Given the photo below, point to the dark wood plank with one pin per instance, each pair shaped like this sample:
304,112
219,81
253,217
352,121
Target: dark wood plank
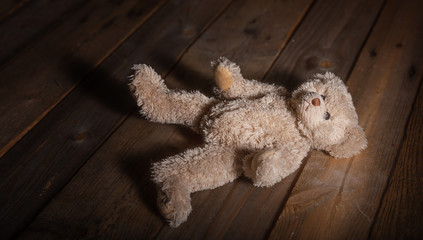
338,198
45,73
31,22
8,7
110,209
33,171
401,212
330,41
136,141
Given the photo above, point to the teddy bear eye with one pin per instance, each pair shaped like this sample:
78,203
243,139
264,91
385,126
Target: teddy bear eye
323,97
327,116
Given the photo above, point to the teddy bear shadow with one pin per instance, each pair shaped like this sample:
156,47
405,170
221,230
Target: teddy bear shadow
189,78
184,77
138,166
286,79
114,94
100,84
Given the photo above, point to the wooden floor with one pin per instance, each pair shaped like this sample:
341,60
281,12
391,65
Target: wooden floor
75,154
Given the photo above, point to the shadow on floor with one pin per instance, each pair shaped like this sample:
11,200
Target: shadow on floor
138,166
102,84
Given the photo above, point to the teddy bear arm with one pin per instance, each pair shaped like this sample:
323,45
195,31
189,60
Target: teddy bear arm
270,166
160,104
354,143
231,84
238,87
253,89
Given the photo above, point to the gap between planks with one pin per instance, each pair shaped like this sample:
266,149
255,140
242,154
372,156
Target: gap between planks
393,179
31,23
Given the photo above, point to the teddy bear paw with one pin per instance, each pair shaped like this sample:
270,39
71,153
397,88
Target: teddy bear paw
223,77
262,168
174,205
266,165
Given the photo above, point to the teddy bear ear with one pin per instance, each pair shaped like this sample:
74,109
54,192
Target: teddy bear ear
333,85
354,143
329,78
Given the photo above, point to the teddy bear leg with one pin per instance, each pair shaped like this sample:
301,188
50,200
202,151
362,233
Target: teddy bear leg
231,84
194,170
174,201
267,167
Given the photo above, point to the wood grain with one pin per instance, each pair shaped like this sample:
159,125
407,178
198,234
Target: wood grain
338,198
154,140
111,205
45,73
401,209
33,171
329,41
8,7
31,22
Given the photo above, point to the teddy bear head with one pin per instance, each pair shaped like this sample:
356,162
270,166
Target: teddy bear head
327,117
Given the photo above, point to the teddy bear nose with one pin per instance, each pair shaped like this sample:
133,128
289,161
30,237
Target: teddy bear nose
315,102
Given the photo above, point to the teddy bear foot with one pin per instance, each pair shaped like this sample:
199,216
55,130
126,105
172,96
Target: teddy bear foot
174,204
223,77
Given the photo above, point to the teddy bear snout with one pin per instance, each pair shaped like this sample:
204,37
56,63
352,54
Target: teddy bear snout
315,102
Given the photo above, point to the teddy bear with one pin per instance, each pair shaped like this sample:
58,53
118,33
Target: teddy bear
250,128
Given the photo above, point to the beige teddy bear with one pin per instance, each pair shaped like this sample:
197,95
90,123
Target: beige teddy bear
251,128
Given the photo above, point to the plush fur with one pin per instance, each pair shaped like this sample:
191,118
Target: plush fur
251,128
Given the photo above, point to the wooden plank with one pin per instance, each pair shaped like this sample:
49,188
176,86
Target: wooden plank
339,34
8,7
338,198
47,71
31,22
401,210
32,172
136,141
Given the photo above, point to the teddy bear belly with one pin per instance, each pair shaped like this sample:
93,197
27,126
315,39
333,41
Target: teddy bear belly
252,129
